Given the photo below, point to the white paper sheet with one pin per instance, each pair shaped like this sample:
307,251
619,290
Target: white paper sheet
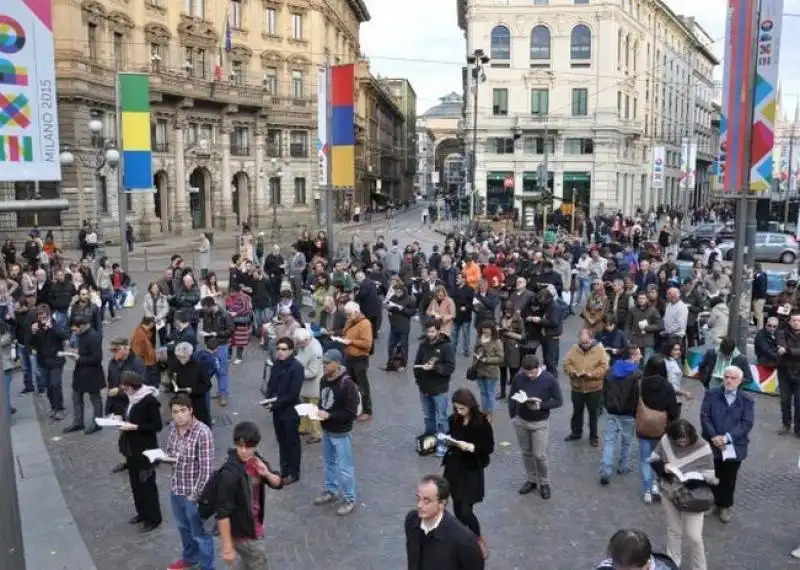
67,354
520,397
268,401
309,410
445,437
156,455
108,422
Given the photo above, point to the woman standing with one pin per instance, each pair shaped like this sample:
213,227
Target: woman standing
487,358
596,307
511,332
141,424
442,307
143,347
210,288
204,255
102,277
658,406
672,358
726,417
466,459
156,307
240,308
682,449
323,300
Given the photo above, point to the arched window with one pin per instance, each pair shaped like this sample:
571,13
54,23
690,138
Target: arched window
540,43
581,43
501,44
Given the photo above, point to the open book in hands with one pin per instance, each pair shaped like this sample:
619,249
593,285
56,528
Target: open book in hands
681,476
523,398
158,455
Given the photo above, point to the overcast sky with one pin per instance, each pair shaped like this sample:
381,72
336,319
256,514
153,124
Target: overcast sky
420,40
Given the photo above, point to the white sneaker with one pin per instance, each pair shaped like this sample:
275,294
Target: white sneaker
795,553
237,361
648,499
654,490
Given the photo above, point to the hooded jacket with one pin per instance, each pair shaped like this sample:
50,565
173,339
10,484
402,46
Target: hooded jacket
440,353
339,397
621,388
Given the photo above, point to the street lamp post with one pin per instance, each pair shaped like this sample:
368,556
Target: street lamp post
477,60
104,152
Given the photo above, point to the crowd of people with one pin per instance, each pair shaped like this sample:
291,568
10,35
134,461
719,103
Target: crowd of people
497,300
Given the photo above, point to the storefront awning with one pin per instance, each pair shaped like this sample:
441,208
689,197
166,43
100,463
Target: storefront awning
577,177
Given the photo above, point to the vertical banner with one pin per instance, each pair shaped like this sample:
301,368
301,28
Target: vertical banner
343,136
659,154
29,145
719,169
765,101
322,124
683,175
691,171
134,107
738,101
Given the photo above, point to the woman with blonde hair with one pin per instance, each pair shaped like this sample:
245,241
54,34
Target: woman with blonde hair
442,307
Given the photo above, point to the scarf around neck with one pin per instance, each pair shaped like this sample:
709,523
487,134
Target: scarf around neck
140,395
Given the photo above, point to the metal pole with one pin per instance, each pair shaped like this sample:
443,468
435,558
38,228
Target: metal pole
791,178
739,323
122,203
543,184
329,162
12,552
474,159
572,221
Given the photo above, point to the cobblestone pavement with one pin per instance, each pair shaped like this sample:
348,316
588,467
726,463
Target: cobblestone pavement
566,533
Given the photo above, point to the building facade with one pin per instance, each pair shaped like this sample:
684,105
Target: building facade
584,90
403,92
380,121
445,121
233,130
426,161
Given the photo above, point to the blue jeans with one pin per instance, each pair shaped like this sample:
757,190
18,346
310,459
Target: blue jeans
617,429
646,447
488,388
434,412
583,291
465,330
647,352
337,460
198,545
119,297
222,356
29,368
60,318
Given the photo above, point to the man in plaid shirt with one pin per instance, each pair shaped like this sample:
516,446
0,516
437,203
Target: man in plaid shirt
190,448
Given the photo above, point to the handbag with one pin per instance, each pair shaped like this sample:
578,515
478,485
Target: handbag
472,371
693,498
650,423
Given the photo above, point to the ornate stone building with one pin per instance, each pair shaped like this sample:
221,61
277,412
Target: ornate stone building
233,130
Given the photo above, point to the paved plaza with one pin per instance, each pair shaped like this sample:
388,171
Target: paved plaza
568,532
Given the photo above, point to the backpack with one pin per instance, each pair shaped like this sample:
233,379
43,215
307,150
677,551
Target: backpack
207,501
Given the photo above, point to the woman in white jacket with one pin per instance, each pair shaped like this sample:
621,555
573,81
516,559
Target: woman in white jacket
717,323
308,352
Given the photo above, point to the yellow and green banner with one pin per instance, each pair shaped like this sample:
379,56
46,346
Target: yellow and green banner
134,106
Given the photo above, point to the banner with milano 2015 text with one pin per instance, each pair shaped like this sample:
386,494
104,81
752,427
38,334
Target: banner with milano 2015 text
29,147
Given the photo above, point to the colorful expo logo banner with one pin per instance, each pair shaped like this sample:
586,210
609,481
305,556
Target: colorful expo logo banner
29,147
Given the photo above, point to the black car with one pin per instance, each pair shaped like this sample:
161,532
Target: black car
702,235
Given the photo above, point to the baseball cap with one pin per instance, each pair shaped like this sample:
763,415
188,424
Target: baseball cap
332,355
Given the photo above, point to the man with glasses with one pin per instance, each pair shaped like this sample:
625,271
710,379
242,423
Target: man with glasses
434,537
283,389
190,449
766,344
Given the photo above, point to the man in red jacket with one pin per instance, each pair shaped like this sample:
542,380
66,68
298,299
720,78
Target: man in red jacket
493,275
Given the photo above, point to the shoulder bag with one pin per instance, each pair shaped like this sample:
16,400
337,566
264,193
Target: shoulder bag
650,423
691,496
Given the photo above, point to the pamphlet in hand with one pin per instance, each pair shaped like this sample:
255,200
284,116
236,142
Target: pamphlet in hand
393,305
108,422
520,397
309,410
67,354
158,455
684,477
204,333
339,339
445,437
268,401
643,324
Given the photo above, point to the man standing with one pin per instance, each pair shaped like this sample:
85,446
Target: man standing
586,365
122,360
367,298
47,339
531,421
357,341
297,266
284,385
401,306
435,539
88,377
788,340
338,409
676,316
309,355
218,324
433,366
620,398
190,447
463,298
549,322
759,293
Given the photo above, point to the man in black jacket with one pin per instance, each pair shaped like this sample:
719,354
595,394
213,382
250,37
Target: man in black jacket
620,398
367,298
401,306
435,539
239,504
462,323
47,339
766,344
88,377
338,409
550,328
218,324
788,340
433,366
60,297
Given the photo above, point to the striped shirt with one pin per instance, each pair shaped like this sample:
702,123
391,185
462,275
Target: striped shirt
194,452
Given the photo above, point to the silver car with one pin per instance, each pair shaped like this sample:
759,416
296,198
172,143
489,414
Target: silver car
770,246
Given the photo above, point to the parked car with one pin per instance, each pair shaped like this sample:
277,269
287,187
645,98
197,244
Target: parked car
770,246
702,235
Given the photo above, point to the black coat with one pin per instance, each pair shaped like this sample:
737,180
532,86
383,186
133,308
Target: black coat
193,376
450,546
464,469
766,346
400,319
367,298
462,298
88,375
48,342
116,404
442,355
146,414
